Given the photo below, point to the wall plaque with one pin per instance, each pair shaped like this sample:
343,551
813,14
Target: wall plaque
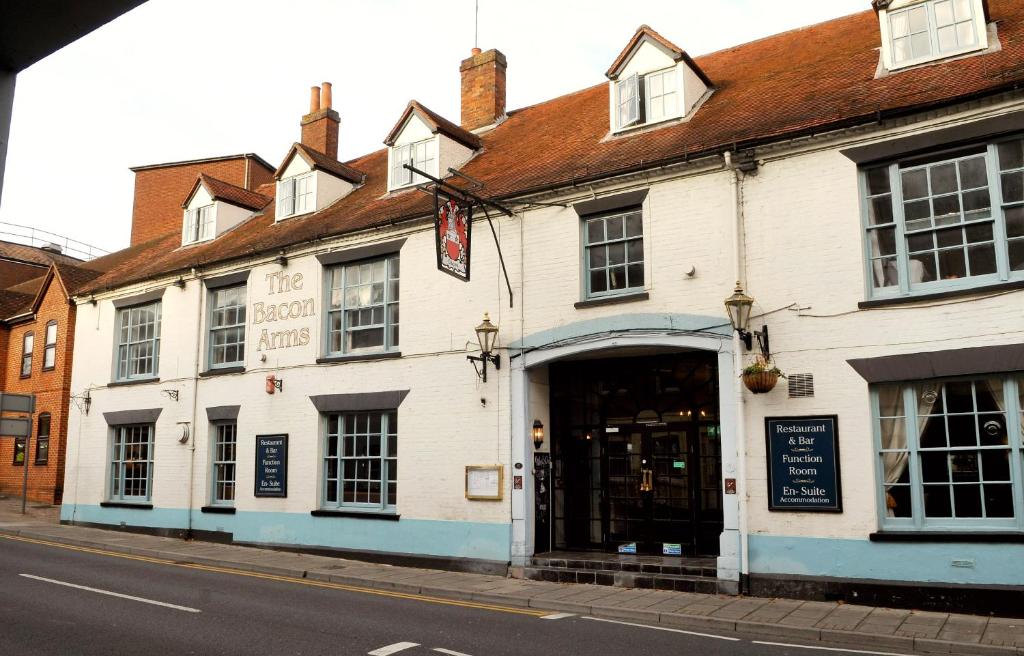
803,463
271,466
484,482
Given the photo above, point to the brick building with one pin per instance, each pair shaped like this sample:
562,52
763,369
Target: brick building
252,379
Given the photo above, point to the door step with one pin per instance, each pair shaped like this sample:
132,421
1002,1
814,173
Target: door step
620,579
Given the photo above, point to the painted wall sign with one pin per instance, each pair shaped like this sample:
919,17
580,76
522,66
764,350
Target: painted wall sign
271,466
803,463
282,309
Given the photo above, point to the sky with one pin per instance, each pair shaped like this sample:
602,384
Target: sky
186,79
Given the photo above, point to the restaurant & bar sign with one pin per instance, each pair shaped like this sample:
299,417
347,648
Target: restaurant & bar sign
803,463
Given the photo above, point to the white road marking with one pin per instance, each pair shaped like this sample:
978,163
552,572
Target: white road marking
662,628
393,649
848,651
113,594
557,616
449,652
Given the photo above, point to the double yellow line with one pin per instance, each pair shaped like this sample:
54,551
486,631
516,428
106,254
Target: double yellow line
285,579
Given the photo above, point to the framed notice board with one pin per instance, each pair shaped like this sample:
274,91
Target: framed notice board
271,466
485,482
803,463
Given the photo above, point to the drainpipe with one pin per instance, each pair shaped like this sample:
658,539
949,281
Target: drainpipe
195,399
736,185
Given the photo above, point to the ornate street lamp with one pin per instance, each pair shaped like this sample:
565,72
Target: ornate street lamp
738,306
538,433
486,333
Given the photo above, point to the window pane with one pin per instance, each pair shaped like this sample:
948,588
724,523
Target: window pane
598,282
1013,187
634,225
878,180
1011,155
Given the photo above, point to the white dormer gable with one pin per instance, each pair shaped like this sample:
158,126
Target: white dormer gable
652,81
309,181
427,142
920,31
213,207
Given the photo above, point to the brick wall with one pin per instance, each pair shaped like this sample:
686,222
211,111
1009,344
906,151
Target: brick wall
483,89
320,131
51,387
159,192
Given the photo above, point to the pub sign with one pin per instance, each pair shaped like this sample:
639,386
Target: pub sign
803,463
453,228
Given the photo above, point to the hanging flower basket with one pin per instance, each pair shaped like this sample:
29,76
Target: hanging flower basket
761,376
761,382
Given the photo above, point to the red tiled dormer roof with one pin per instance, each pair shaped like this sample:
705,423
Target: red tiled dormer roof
229,193
318,160
436,123
677,53
799,83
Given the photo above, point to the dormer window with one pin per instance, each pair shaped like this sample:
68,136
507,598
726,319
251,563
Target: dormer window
199,224
296,195
421,155
925,30
652,81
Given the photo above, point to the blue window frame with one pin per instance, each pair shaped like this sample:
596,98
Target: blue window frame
947,221
613,253
225,446
949,453
138,341
131,463
361,460
362,306
227,327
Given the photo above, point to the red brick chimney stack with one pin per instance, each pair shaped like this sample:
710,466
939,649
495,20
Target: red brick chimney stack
320,125
483,88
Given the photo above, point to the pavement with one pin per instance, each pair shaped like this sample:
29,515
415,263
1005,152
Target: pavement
824,625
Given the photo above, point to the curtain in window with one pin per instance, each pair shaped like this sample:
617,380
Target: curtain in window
894,436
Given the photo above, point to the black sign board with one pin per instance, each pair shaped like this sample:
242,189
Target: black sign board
271,466
803,463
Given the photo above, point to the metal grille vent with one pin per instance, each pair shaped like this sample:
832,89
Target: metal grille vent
800,385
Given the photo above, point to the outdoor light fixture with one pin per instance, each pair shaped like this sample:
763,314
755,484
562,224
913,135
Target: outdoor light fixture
282,259
180,283
538,433
738,306
486,333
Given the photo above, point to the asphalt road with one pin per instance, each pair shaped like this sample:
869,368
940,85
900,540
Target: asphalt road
56,600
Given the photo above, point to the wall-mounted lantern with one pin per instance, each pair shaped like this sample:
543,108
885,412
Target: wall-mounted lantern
486,333
738,306
538,433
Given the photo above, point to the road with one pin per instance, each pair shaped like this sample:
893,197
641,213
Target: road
64,600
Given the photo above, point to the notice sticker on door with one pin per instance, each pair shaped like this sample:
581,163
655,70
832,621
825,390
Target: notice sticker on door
679,464
671,549
628,548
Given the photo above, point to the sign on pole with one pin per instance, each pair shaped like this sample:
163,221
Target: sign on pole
453,231
17,403
15,427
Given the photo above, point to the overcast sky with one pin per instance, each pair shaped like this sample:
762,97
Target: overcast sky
185,79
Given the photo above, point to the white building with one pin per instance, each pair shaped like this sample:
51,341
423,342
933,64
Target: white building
862,178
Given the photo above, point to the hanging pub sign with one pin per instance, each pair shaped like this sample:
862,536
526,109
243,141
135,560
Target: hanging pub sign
271,466
453,227
803,463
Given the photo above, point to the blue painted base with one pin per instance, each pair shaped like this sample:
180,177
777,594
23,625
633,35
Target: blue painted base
923,562
449,539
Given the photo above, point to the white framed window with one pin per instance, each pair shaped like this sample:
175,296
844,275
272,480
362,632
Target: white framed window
227,327
647,98
613,253
361,460
947,221
131,463
421,154
199,224
949,453
932,29
362,308
50,346
138,341
27,345
224,456
296,195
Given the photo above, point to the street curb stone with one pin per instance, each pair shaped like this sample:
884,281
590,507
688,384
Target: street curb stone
528,598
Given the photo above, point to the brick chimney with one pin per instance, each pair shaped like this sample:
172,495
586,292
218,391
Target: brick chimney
320,125
483,88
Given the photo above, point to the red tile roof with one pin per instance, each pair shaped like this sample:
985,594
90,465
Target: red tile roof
318,160
436,123
802,82
229,193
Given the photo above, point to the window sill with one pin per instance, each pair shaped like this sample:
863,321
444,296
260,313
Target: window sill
218,510
934,296
383,355
950,536
126,504
222,371
46,369
137,381
357,514
41,463
611,300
